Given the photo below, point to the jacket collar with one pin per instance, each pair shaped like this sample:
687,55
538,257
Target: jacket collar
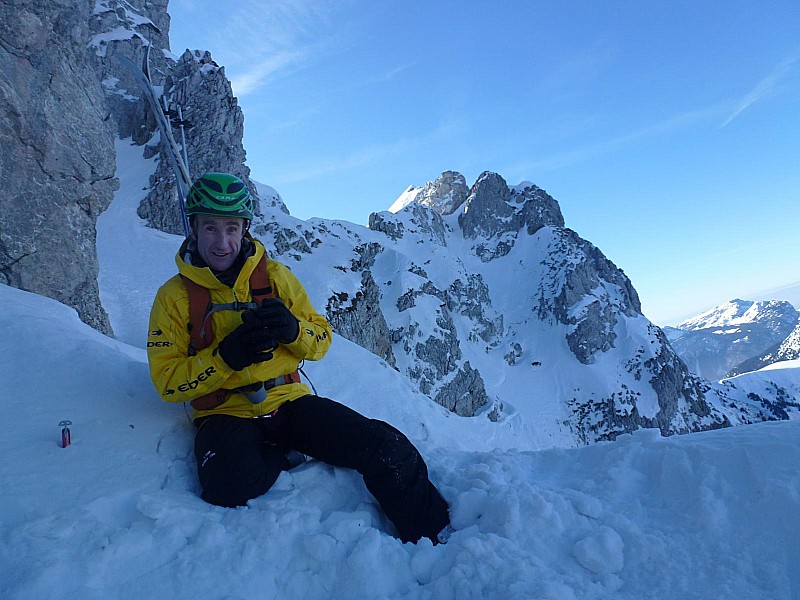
191,265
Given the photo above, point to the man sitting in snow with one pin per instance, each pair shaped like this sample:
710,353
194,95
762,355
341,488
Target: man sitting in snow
227,334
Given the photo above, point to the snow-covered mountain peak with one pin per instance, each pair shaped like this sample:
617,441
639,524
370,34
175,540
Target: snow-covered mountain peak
444,195
269,197
735,337
719,316
770,313
478,300
490,214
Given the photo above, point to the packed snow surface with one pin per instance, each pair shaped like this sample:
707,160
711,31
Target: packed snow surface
117,515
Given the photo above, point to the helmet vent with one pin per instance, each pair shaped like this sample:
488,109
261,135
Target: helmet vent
214,185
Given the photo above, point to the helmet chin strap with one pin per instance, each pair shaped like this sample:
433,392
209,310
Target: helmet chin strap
192,224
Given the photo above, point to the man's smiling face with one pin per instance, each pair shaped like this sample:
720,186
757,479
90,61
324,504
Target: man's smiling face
219,240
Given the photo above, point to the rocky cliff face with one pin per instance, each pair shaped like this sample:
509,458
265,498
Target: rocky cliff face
63,103
193,82
56,154
494,215
358,317
597,303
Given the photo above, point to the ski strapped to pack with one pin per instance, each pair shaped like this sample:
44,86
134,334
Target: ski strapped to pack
177,157
201,331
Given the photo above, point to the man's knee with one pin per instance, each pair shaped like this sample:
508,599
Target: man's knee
231,466
394,454
231,481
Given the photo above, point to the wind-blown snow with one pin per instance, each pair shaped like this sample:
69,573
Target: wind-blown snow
116,514
786,364
406,198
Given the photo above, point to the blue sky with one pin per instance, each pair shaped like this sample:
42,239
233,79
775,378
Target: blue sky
669,132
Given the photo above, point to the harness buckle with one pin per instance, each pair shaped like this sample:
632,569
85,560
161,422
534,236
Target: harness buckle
256,393
268,415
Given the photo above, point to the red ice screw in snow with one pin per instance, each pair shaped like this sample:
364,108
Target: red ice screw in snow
65,434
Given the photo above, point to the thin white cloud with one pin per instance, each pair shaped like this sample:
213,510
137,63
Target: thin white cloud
763,87
256,40
259,74
366,156
580,154
297,119
389,75
588,151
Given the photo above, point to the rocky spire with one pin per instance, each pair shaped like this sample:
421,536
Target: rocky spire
214,131
444,195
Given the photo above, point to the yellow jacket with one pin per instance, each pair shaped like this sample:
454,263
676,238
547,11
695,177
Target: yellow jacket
182,378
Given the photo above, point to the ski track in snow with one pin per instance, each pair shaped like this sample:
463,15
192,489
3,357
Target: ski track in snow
117,513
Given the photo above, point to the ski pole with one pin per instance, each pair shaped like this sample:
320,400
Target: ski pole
183,142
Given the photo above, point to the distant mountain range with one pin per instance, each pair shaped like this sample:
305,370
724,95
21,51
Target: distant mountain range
737,337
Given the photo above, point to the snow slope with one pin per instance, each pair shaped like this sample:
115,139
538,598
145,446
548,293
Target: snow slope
116,514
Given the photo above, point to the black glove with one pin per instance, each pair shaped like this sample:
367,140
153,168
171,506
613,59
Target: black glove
248,344
279,320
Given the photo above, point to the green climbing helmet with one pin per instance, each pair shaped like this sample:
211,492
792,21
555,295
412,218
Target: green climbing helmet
219,194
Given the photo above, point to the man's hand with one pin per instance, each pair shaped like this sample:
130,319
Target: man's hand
248,344
279,320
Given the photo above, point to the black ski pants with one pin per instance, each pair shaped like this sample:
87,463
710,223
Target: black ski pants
239,459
